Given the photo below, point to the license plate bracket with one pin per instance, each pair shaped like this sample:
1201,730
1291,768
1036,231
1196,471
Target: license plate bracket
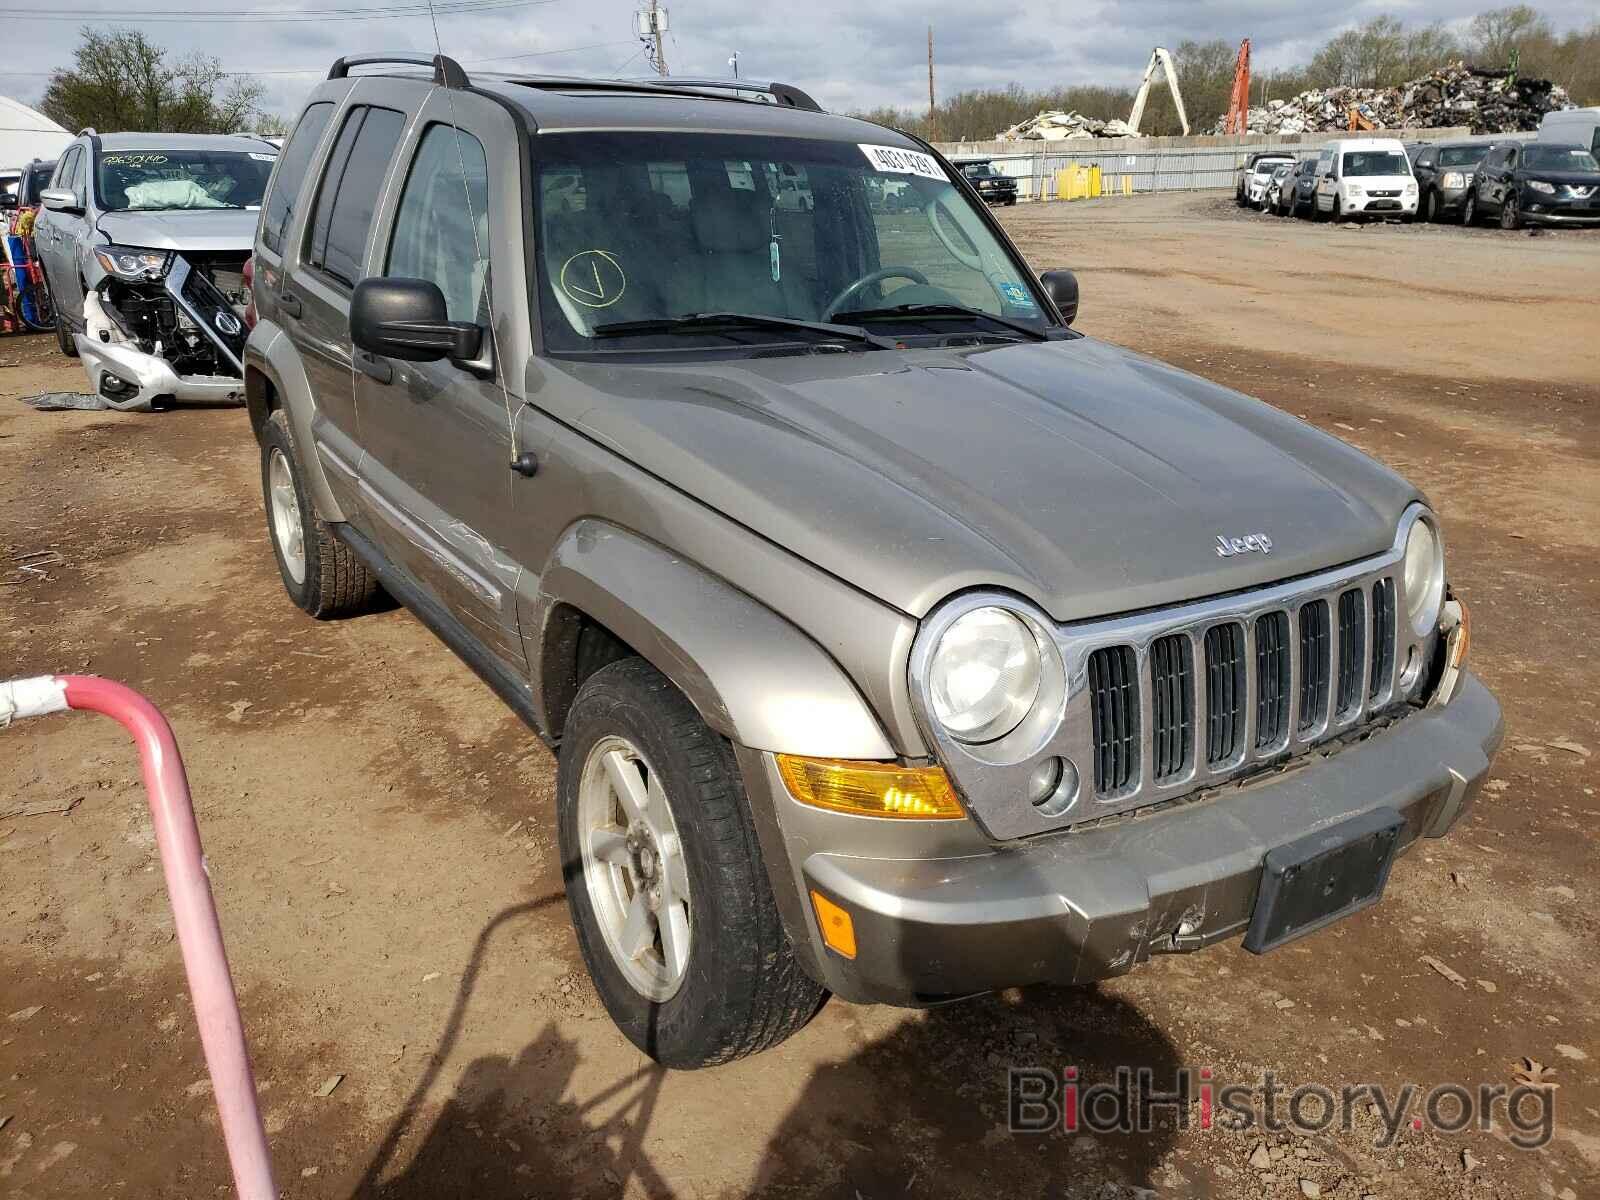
1309,883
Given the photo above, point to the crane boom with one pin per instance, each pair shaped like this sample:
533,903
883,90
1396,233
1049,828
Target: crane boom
1239,105
1159,57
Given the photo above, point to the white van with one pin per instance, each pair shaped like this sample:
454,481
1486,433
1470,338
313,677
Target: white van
1365,177
1573,127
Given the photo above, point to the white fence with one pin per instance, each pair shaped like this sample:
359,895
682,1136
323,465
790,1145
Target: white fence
1162,164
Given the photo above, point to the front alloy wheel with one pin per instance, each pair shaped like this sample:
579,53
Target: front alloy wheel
665,878
634,869
1469,210
1511,213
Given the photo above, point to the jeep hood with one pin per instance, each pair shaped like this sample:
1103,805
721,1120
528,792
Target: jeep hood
1090,479
197,230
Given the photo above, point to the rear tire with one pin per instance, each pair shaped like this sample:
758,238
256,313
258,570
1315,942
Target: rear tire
711,975
322,575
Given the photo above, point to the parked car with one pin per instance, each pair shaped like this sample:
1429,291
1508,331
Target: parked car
1257,176
1535,183
1365,177
22,191
143,238
1282,179
994,187
1250,185
888,647
1297,194
1445,172
1573,127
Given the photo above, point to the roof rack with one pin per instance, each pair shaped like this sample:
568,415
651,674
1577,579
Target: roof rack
447,71
782,94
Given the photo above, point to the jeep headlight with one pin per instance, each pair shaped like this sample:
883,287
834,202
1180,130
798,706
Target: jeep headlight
1424,576
984,676
131,264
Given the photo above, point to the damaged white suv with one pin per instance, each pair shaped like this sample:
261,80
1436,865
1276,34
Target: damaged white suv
143,238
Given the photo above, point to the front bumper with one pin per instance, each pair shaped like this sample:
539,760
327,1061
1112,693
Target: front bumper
1541,210
141,379
939,915
1383,206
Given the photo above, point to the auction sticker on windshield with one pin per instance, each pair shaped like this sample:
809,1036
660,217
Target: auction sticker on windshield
894,161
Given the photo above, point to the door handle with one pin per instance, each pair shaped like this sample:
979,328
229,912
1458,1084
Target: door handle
380,369
290,303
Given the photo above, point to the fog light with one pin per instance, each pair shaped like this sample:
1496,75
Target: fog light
838,930
1053,787
871,789
1413,668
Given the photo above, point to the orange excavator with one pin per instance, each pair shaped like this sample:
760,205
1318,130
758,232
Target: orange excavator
1238,120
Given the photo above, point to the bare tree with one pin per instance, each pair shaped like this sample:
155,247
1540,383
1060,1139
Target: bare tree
1500,31
121,80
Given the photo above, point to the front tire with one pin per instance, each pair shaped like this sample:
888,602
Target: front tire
1511,213
1430,207
322,575
1469,210
665,879
64,341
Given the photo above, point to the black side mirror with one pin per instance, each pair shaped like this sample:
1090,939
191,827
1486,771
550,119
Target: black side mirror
407,319
1062,287
8,200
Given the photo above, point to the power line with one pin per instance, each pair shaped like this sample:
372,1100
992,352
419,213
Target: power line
476,62
268,17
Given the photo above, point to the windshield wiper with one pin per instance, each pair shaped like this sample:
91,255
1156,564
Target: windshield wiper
716,322
942,312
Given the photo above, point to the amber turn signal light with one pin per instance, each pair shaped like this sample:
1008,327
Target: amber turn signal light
871,789
838,930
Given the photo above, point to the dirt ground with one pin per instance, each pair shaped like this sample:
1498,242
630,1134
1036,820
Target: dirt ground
381,838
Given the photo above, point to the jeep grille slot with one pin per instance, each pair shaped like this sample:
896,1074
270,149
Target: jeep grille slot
1225,692
1171,707
1314,664
1382,637
1272,681
1352,649
1114,696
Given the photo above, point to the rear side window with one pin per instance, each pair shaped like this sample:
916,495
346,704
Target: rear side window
349,192
278,210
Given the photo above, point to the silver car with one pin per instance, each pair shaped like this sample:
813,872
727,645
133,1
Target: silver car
143,238
895,640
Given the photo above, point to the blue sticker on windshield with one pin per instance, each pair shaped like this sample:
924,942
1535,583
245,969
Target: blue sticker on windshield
1015,293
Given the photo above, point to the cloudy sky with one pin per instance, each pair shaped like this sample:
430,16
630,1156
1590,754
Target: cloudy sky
849,53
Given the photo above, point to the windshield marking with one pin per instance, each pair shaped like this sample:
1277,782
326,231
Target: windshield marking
606,291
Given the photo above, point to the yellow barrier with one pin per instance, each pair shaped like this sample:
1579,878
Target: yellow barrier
1078,183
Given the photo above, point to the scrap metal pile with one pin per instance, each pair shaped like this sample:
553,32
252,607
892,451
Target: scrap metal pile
1483,101
1064,126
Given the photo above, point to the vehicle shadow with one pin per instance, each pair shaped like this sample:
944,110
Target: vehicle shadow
919,1111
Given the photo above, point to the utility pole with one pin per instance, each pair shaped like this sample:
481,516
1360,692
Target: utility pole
933,121
652,24
733,62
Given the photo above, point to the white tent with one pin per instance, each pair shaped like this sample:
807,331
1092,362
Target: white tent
26,135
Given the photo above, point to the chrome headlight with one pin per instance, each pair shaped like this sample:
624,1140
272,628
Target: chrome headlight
1424,576
984,676
1539,185
1454,180
131,264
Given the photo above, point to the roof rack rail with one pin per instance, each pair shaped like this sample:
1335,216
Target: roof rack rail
447,71
782,93
88,131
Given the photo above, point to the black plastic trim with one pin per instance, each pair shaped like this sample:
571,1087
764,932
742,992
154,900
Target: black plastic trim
447,72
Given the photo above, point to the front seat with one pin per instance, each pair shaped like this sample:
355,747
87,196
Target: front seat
734,230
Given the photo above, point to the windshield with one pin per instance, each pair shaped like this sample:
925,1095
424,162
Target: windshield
1376,162
1462,156
1558,158
980,171
145,180
654,227
1268,166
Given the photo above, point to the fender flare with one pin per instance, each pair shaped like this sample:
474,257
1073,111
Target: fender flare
270,357
752,675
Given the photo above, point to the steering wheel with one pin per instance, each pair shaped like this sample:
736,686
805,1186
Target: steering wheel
866,281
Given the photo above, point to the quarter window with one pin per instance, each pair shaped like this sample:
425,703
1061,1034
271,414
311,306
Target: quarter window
292,167
349,192
441,231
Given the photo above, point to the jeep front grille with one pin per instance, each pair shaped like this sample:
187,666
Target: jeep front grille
1171,707
1113,684
1225,692
1155,705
